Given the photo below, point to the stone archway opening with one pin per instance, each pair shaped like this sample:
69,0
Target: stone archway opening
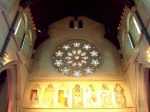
145,92
3,91
9,89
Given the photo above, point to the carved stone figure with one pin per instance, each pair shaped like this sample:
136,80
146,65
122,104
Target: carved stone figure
106,97
120,96
49,95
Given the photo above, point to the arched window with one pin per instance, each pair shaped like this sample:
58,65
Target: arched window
71,25
19,32
133,28
18,25
21,29
80,24
24,36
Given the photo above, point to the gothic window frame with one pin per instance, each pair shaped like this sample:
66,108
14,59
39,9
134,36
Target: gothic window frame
23,40
133,28
22,20
76,57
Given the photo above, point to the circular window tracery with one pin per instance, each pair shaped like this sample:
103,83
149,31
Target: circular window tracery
76,58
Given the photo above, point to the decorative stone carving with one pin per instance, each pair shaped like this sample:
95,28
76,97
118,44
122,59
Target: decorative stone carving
120,96
77,97
49,96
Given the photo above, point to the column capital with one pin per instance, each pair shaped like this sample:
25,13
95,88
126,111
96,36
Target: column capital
133,9
20,9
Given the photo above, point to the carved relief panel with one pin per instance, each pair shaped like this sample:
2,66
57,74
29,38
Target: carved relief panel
81,95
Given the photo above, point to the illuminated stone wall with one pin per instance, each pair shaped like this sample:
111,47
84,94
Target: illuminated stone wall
11,61
78,94
43,67
50,90
138,69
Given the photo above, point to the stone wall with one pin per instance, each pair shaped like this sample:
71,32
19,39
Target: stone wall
138,70
60,32
44,73
11,59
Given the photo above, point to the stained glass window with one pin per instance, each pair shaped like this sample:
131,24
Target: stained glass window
76,57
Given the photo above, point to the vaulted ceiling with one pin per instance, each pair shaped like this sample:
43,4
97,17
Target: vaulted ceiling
107,12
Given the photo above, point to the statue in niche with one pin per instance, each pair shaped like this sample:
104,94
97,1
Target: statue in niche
106,97
49,96
120,96
77,97
34,95
92,96
63,96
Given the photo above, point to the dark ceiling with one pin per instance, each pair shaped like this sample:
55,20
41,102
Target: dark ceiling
107,12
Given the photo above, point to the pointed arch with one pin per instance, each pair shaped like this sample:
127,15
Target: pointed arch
133,28
21,29
128,21
142,86
11,86
26,20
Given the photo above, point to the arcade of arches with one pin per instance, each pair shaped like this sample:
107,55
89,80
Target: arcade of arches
76,69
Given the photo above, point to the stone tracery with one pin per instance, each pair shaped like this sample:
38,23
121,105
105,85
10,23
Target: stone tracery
76,57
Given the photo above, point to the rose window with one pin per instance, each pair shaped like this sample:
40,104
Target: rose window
76,58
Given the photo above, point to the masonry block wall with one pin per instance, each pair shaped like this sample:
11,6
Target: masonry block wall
44,73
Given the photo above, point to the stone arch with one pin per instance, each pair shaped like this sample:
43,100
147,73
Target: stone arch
142,86
26,21
123,36
133,28
21,29
13,104
128,21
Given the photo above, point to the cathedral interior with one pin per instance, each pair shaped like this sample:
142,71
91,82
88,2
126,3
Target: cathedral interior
74,55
